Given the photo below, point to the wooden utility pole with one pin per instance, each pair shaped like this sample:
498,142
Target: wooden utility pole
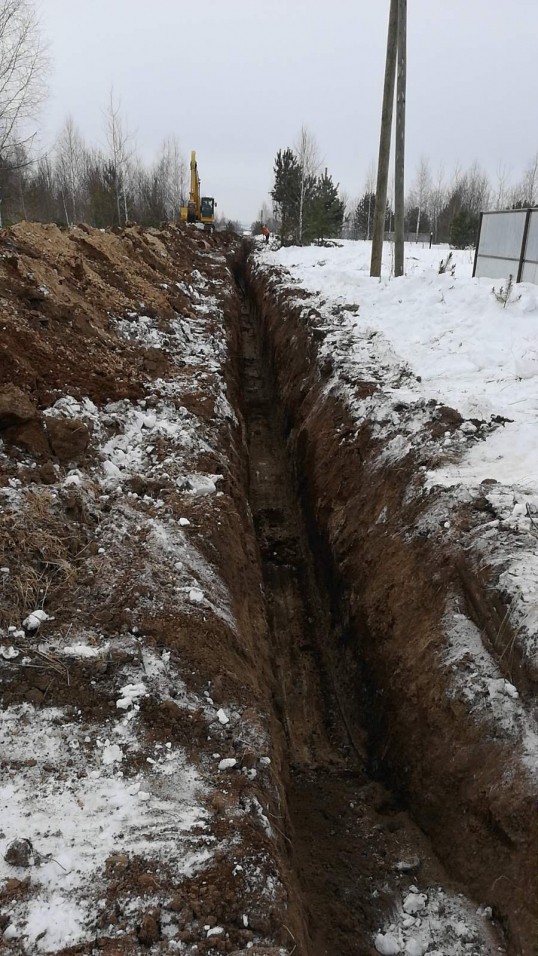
399,164
384,141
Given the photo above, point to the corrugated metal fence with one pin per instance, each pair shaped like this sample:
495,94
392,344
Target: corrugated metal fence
508,245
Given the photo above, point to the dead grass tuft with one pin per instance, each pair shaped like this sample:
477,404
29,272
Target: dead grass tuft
42,549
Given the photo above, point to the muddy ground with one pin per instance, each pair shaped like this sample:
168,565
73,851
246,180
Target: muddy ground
218,667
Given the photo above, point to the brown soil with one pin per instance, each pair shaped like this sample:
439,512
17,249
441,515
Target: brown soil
348,832
62,294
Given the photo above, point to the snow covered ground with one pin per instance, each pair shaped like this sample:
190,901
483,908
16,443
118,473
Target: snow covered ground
470,351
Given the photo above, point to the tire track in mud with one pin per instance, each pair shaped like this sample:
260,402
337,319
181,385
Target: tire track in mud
355,850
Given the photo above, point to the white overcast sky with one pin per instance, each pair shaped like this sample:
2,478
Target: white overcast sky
236,79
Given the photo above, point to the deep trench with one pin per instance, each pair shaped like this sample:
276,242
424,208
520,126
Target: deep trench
348,830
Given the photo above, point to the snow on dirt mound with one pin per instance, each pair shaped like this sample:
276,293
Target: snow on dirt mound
137,773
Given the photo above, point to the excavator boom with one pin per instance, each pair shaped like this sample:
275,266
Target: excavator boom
199,208
195,182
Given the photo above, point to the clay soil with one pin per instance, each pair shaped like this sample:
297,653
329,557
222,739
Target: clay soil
299,643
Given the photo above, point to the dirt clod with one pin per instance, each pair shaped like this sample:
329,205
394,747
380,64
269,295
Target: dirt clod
15,406
68,438
149,931
19,853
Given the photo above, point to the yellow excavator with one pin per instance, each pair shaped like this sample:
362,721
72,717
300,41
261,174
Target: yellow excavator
199,208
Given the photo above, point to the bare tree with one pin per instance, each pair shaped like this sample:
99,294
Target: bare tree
529,183
70,155
121,152
475,188
421,192
171,171
370,182
437,199
309,163
503,189
23,69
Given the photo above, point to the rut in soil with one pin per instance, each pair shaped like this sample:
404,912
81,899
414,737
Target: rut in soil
347,829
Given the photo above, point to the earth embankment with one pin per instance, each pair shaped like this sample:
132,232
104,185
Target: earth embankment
406,637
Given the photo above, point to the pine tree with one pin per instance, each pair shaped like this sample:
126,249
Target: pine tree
286,192
325,213
464,229
363,219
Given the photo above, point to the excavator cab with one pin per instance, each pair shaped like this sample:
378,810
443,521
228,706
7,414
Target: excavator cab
207,213
207,210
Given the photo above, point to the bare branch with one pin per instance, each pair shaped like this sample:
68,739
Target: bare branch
23,68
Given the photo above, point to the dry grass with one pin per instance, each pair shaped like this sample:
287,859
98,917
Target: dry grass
41,547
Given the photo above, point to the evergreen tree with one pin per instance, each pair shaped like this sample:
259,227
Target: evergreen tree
101,185
417,221
446,216
286,192
464,229
304,230
363,219
325,212
469,195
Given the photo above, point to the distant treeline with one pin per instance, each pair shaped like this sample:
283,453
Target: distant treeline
306,206
75,182
447,209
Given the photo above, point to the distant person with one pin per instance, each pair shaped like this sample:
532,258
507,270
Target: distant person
266,234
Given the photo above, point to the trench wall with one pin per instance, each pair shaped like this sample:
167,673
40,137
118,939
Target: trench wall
463,786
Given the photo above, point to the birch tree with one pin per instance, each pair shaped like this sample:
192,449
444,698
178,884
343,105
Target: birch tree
437,200
121,151
171,172
421,192
502,190
70,156
23,69
307,153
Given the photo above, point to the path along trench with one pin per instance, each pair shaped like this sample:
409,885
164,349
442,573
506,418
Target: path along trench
355,848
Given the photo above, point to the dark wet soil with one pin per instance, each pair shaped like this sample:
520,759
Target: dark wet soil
348,831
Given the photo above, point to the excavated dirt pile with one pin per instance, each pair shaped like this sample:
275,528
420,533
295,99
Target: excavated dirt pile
141,763
229,718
